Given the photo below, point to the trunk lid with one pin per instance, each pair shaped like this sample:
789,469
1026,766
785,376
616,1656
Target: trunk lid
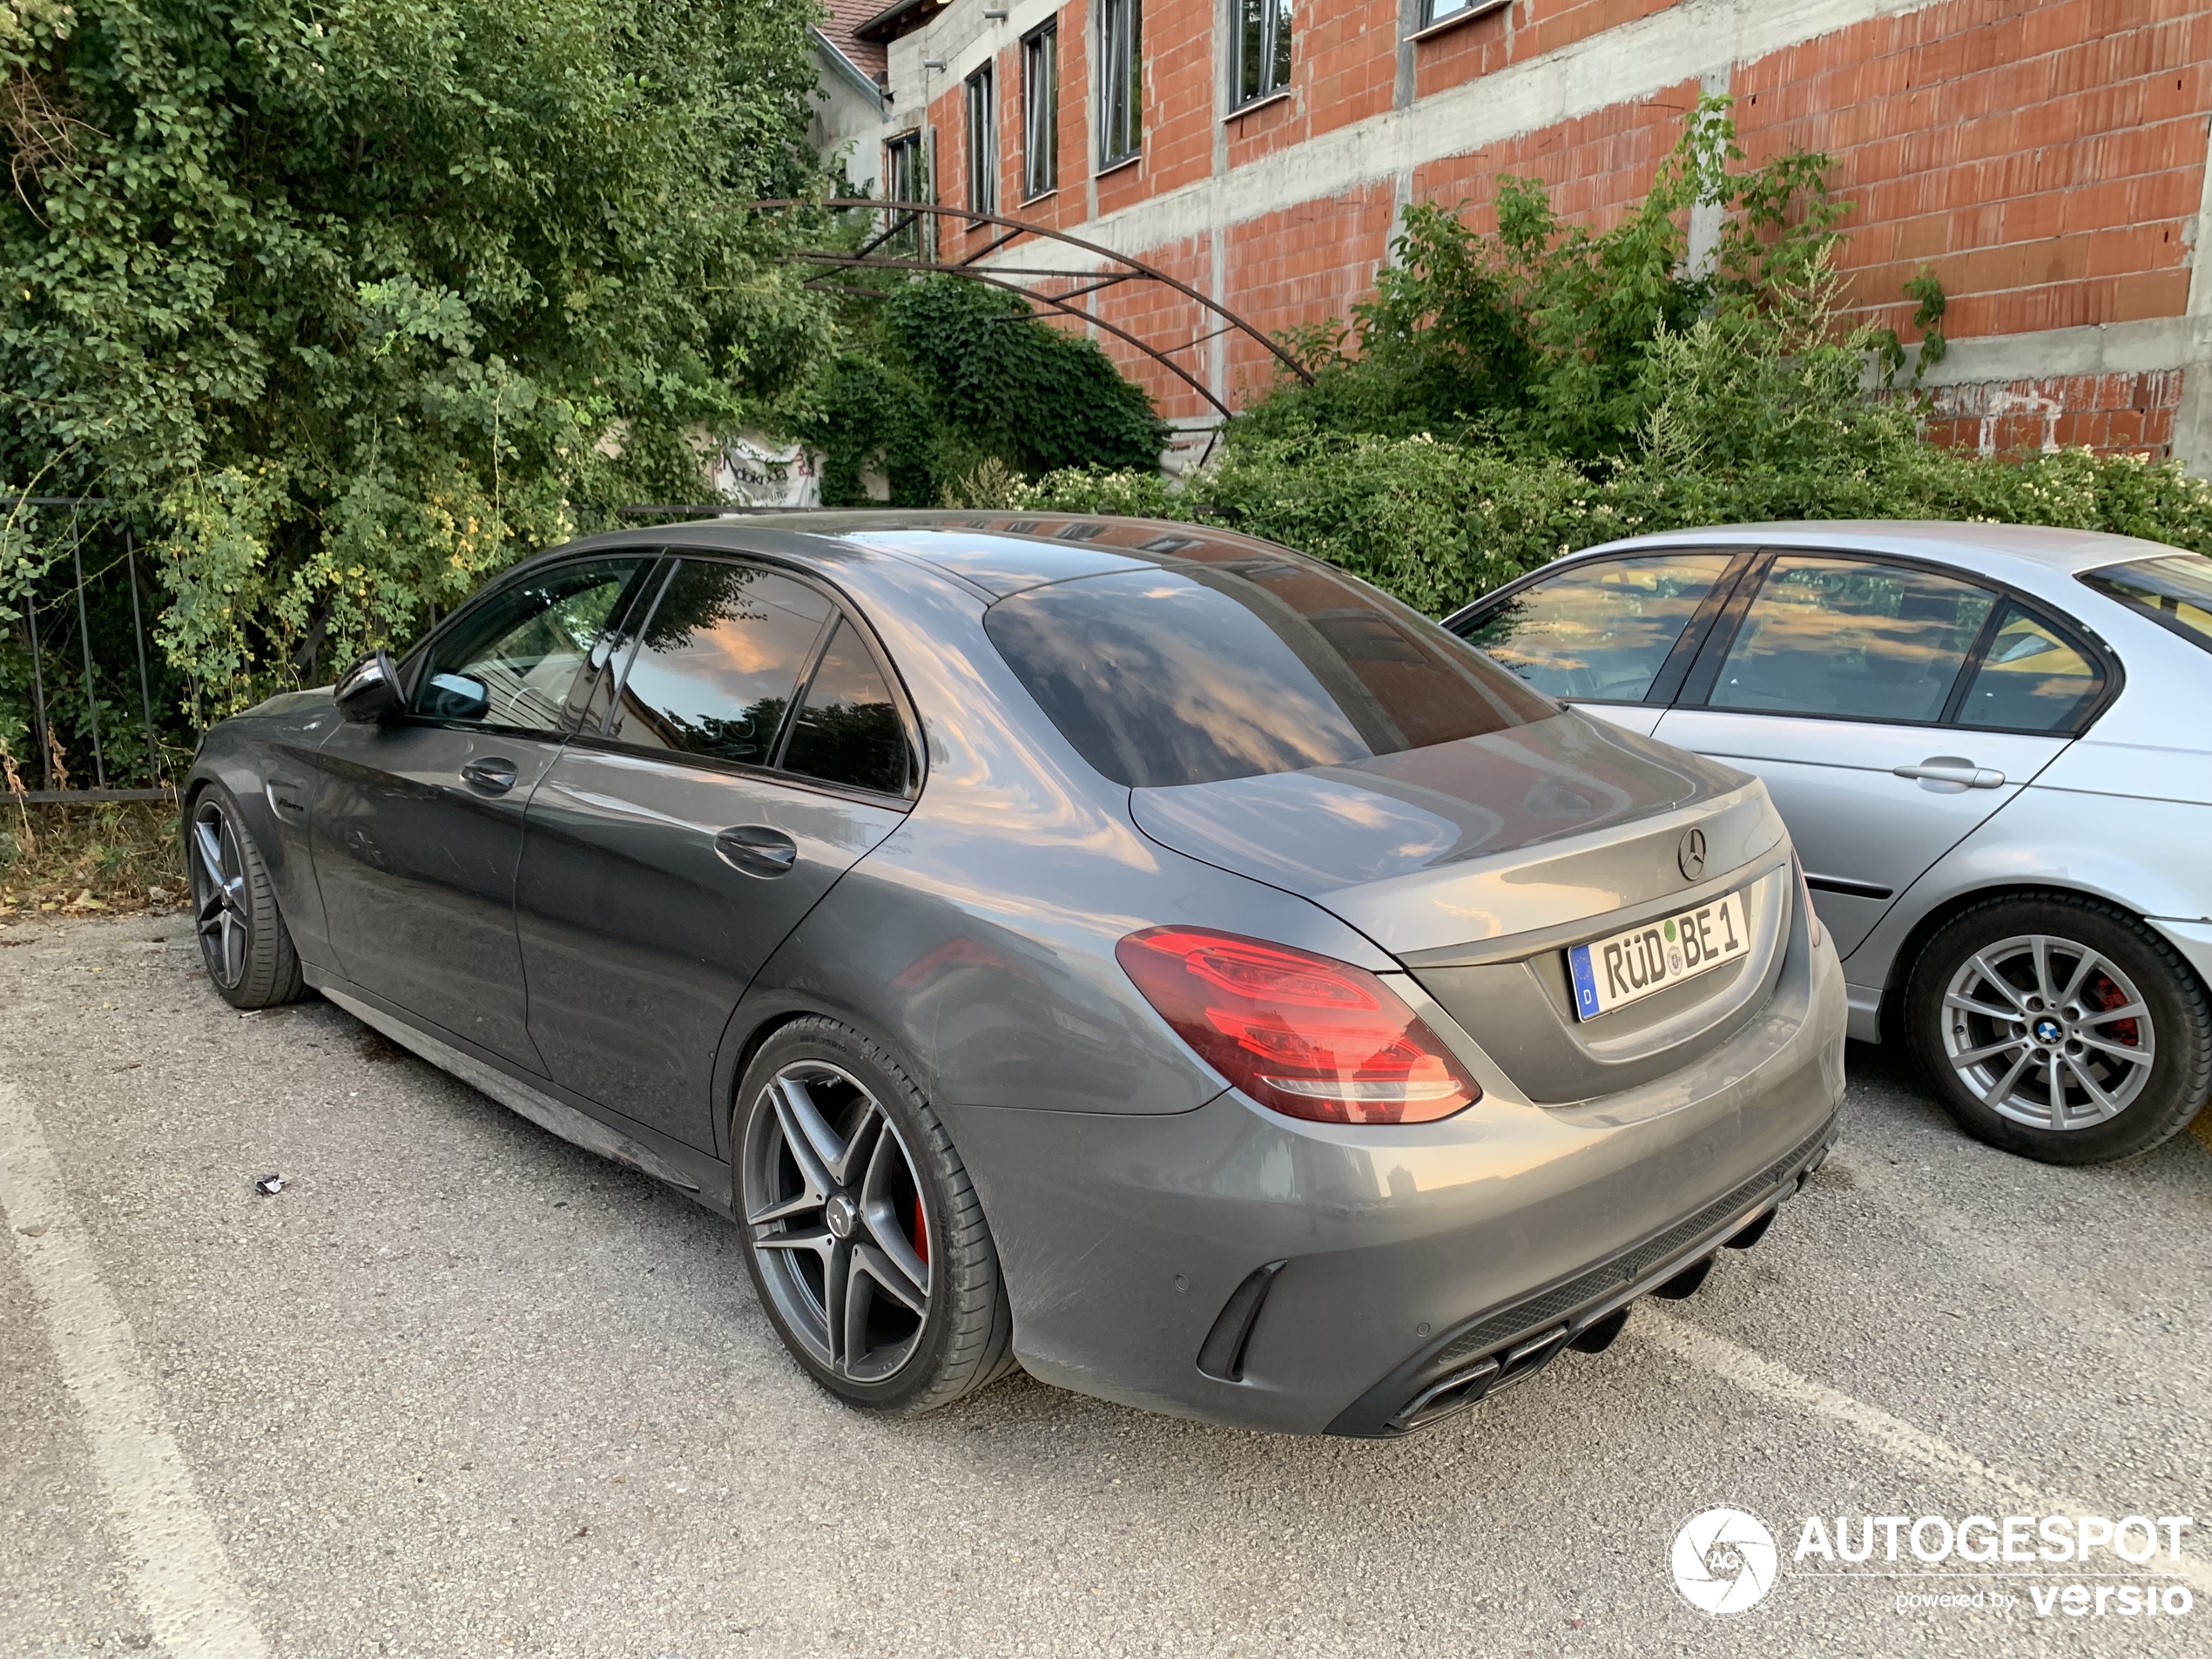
1478,863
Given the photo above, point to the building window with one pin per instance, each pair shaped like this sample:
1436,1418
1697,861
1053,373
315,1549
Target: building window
1121,80
1436,11
1040,112
906,178
1263,47
983,142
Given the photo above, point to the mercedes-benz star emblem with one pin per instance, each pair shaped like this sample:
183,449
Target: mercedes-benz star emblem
1692,855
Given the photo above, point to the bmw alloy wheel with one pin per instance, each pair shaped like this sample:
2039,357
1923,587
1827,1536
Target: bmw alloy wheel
2048,1032
834,1203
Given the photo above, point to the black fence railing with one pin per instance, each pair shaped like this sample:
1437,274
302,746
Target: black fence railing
88,707
90,710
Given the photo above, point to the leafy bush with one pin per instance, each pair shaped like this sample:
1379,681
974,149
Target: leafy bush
1516,397
942,373
350,303
1738,430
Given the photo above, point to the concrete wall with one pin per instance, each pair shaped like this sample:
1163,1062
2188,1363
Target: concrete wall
2046,158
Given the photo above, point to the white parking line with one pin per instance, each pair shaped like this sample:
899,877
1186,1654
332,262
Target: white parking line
182,1573
1756,1375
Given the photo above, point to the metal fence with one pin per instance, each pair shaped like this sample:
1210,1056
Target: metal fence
90,709
80,682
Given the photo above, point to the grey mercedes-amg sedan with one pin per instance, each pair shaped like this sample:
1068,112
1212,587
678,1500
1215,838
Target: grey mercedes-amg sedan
1138,952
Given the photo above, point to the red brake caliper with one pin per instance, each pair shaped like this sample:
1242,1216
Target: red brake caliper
2110,996
921,1232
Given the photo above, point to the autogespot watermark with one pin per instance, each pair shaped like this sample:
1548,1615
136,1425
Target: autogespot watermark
1726,1561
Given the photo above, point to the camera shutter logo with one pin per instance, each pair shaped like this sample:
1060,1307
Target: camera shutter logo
1724,1561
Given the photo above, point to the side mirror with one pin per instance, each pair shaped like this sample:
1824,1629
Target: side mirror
370,693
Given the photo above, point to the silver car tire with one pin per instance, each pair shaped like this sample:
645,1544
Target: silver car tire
863,1235
2060,1028
243,944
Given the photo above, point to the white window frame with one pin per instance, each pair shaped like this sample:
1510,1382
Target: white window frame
1121,85
1273,17
981,113
1040,112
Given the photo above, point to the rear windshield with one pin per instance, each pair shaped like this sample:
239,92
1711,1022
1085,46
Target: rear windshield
2176,589
1193,673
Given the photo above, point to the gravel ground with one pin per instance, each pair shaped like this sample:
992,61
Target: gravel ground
461,1389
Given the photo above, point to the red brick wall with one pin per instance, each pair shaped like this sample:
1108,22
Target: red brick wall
2131,412
2043,156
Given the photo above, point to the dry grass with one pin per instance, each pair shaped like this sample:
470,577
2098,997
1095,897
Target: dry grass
111,857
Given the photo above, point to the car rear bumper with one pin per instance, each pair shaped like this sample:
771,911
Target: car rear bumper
1230,1264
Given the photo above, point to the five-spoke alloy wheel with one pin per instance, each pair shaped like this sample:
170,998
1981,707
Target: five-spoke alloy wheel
864,1234
835,1208
2060,1028
243,939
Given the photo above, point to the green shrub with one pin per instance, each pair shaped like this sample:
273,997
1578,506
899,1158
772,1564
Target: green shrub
1517,397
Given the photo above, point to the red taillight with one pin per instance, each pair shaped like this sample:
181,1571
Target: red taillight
1301,1034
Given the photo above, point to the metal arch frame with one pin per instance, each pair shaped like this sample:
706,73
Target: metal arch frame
904,213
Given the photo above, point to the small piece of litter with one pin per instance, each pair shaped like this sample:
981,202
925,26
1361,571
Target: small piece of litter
269,1185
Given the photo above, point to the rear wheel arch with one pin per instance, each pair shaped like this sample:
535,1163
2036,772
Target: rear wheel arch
1915,944
2164,1071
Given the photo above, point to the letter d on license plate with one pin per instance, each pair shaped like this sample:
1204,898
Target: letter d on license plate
1612,973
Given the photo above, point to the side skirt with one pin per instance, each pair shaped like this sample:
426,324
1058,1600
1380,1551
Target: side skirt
542,1109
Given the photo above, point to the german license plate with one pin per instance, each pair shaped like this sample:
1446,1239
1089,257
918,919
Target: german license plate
1610,973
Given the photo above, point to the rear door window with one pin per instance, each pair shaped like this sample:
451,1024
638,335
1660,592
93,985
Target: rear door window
1192,673
848,729
718,663
1600,632
2032,678
1851,639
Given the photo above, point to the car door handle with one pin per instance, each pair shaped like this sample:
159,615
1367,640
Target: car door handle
1949,769
757,850
492,774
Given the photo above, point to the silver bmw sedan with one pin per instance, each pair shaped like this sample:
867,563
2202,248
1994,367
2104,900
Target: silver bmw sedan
1140,953
1991,744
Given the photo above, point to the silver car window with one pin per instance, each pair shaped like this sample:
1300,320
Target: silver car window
2031,677
1600,632
1851,639
2175,589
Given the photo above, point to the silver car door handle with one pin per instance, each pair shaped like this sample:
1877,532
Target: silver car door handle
757,850
1942,769
492,774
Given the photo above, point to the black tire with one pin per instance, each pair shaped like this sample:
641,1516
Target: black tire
246,948
888,1356
2125,1084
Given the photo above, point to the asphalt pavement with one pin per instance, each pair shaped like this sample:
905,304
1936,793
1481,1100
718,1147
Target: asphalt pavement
461,1389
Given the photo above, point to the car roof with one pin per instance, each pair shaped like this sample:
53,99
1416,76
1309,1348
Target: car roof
997,553
1993,549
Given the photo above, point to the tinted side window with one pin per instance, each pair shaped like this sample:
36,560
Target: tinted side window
719,660
847,730
1600,631
512,659
1852,638
2031,679
1190,675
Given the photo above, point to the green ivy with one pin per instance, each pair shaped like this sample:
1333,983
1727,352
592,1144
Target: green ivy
941,373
